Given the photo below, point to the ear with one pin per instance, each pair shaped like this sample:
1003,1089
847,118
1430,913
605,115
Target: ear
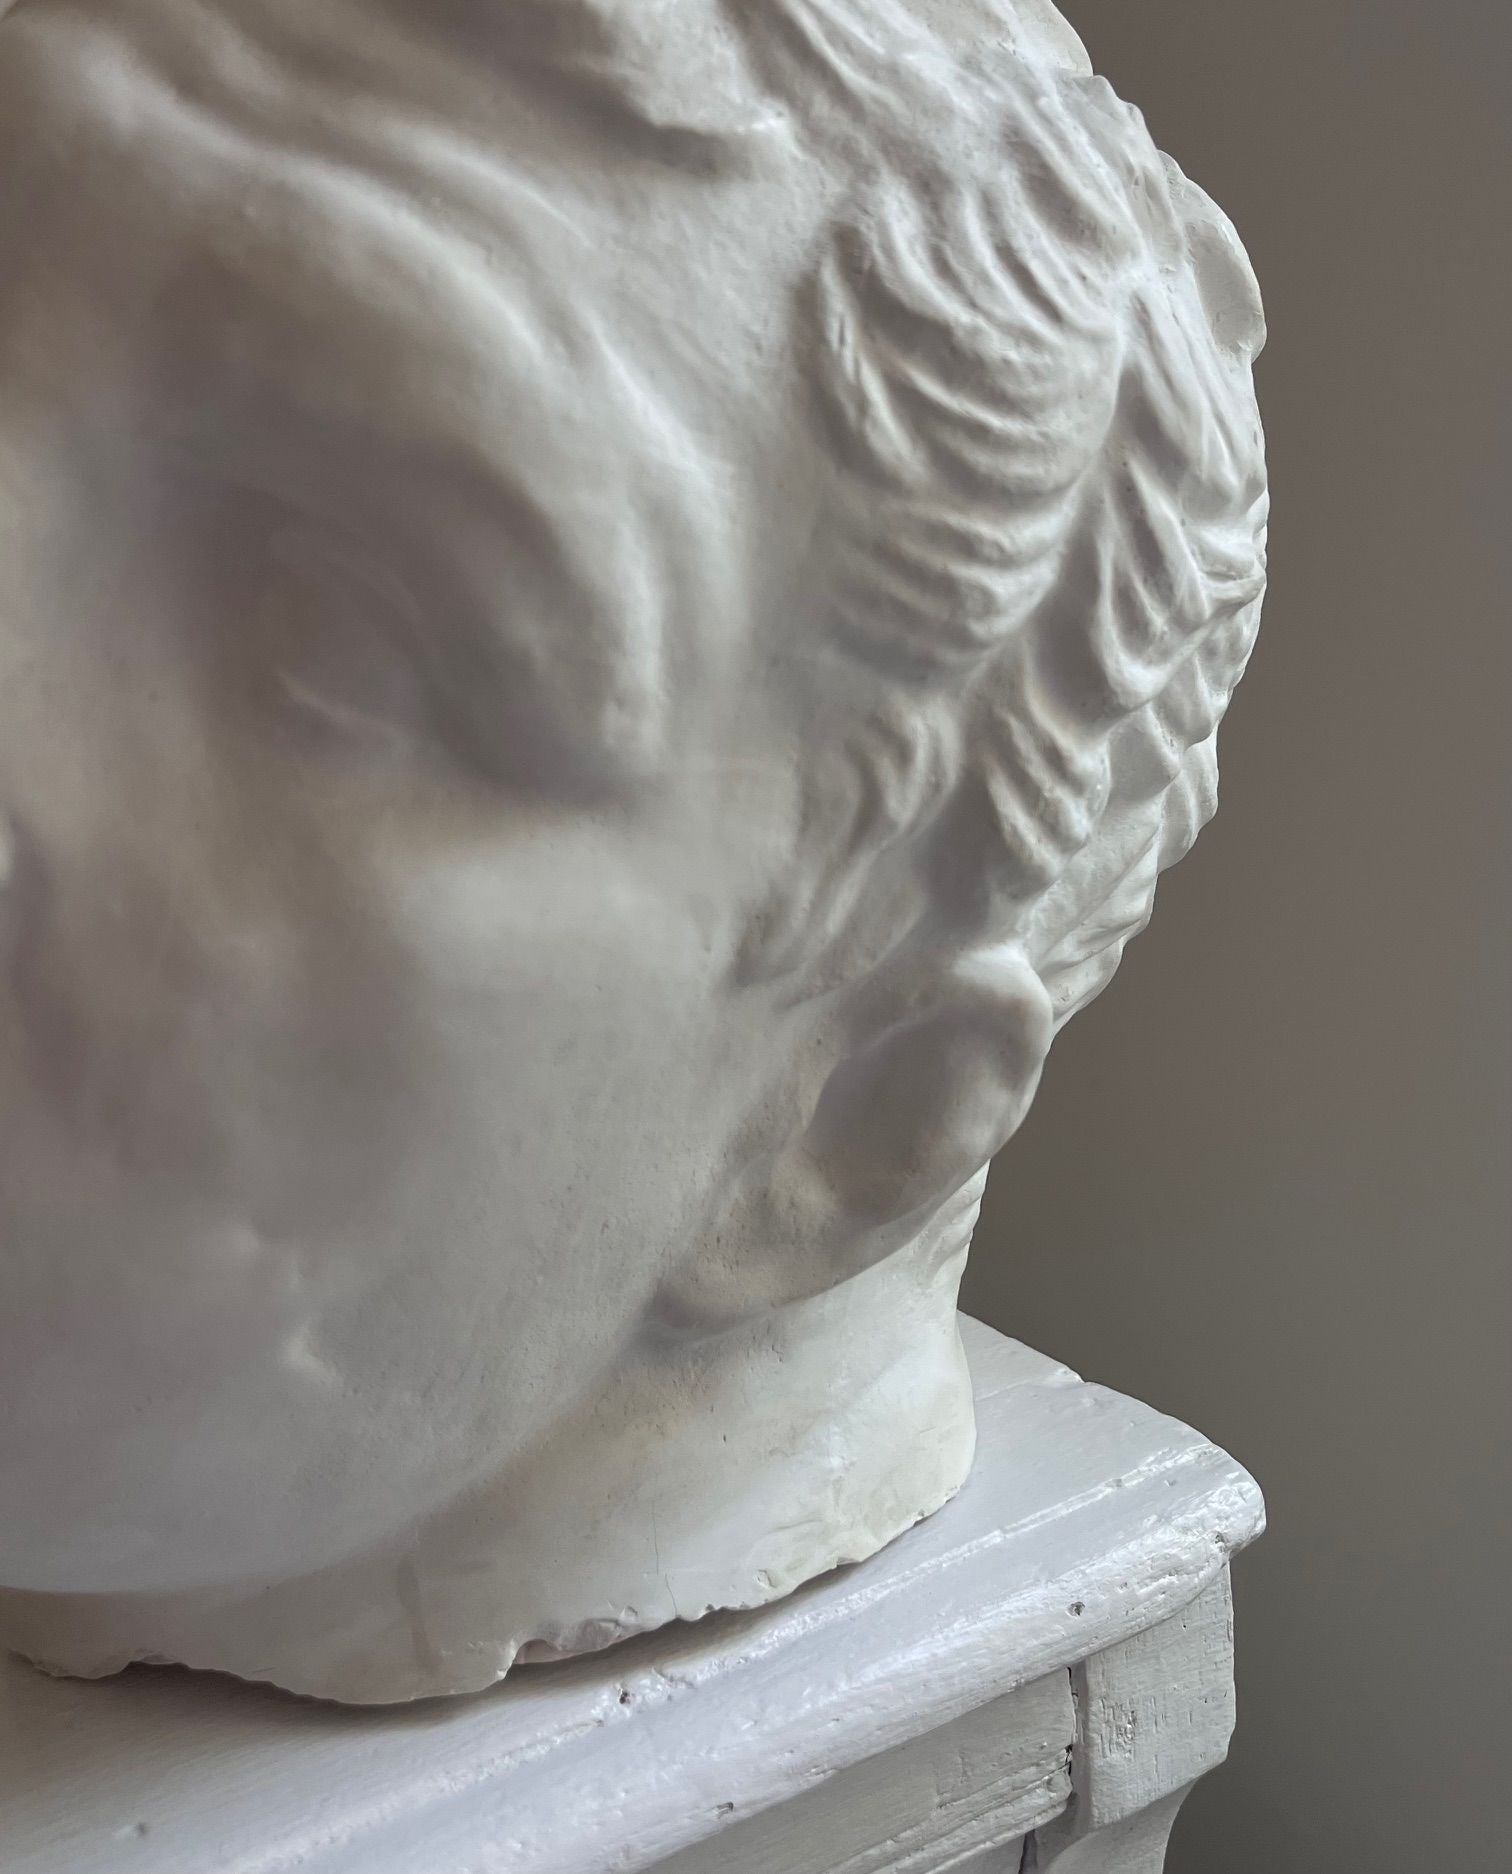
915,1111
941,1068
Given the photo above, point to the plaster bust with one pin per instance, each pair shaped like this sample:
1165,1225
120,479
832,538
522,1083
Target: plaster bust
607,614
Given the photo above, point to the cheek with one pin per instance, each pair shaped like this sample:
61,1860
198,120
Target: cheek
569,991
192,993
359,1131
587,1068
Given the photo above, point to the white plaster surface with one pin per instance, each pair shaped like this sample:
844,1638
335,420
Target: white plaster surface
1094,1536
607,616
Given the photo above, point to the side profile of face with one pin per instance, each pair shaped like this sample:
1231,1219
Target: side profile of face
491,869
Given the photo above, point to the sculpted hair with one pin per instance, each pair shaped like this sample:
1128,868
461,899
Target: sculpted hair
1031,375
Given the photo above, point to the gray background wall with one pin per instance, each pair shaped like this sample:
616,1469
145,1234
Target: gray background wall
1266,1185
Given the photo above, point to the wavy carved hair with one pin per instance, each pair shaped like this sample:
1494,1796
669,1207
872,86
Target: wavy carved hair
1031,375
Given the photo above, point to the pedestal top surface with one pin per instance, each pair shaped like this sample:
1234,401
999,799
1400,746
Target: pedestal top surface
1088,1518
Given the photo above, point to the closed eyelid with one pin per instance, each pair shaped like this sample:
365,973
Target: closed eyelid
458,620
340,715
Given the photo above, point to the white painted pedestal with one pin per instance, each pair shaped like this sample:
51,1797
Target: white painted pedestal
1031,1679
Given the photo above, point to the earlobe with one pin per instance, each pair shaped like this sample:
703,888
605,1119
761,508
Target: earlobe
917,1111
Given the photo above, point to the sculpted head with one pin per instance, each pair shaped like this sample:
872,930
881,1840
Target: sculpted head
607,614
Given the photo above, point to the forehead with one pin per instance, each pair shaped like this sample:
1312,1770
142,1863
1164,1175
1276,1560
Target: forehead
423,295
617,121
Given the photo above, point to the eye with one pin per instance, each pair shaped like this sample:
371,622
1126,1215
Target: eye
337,637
